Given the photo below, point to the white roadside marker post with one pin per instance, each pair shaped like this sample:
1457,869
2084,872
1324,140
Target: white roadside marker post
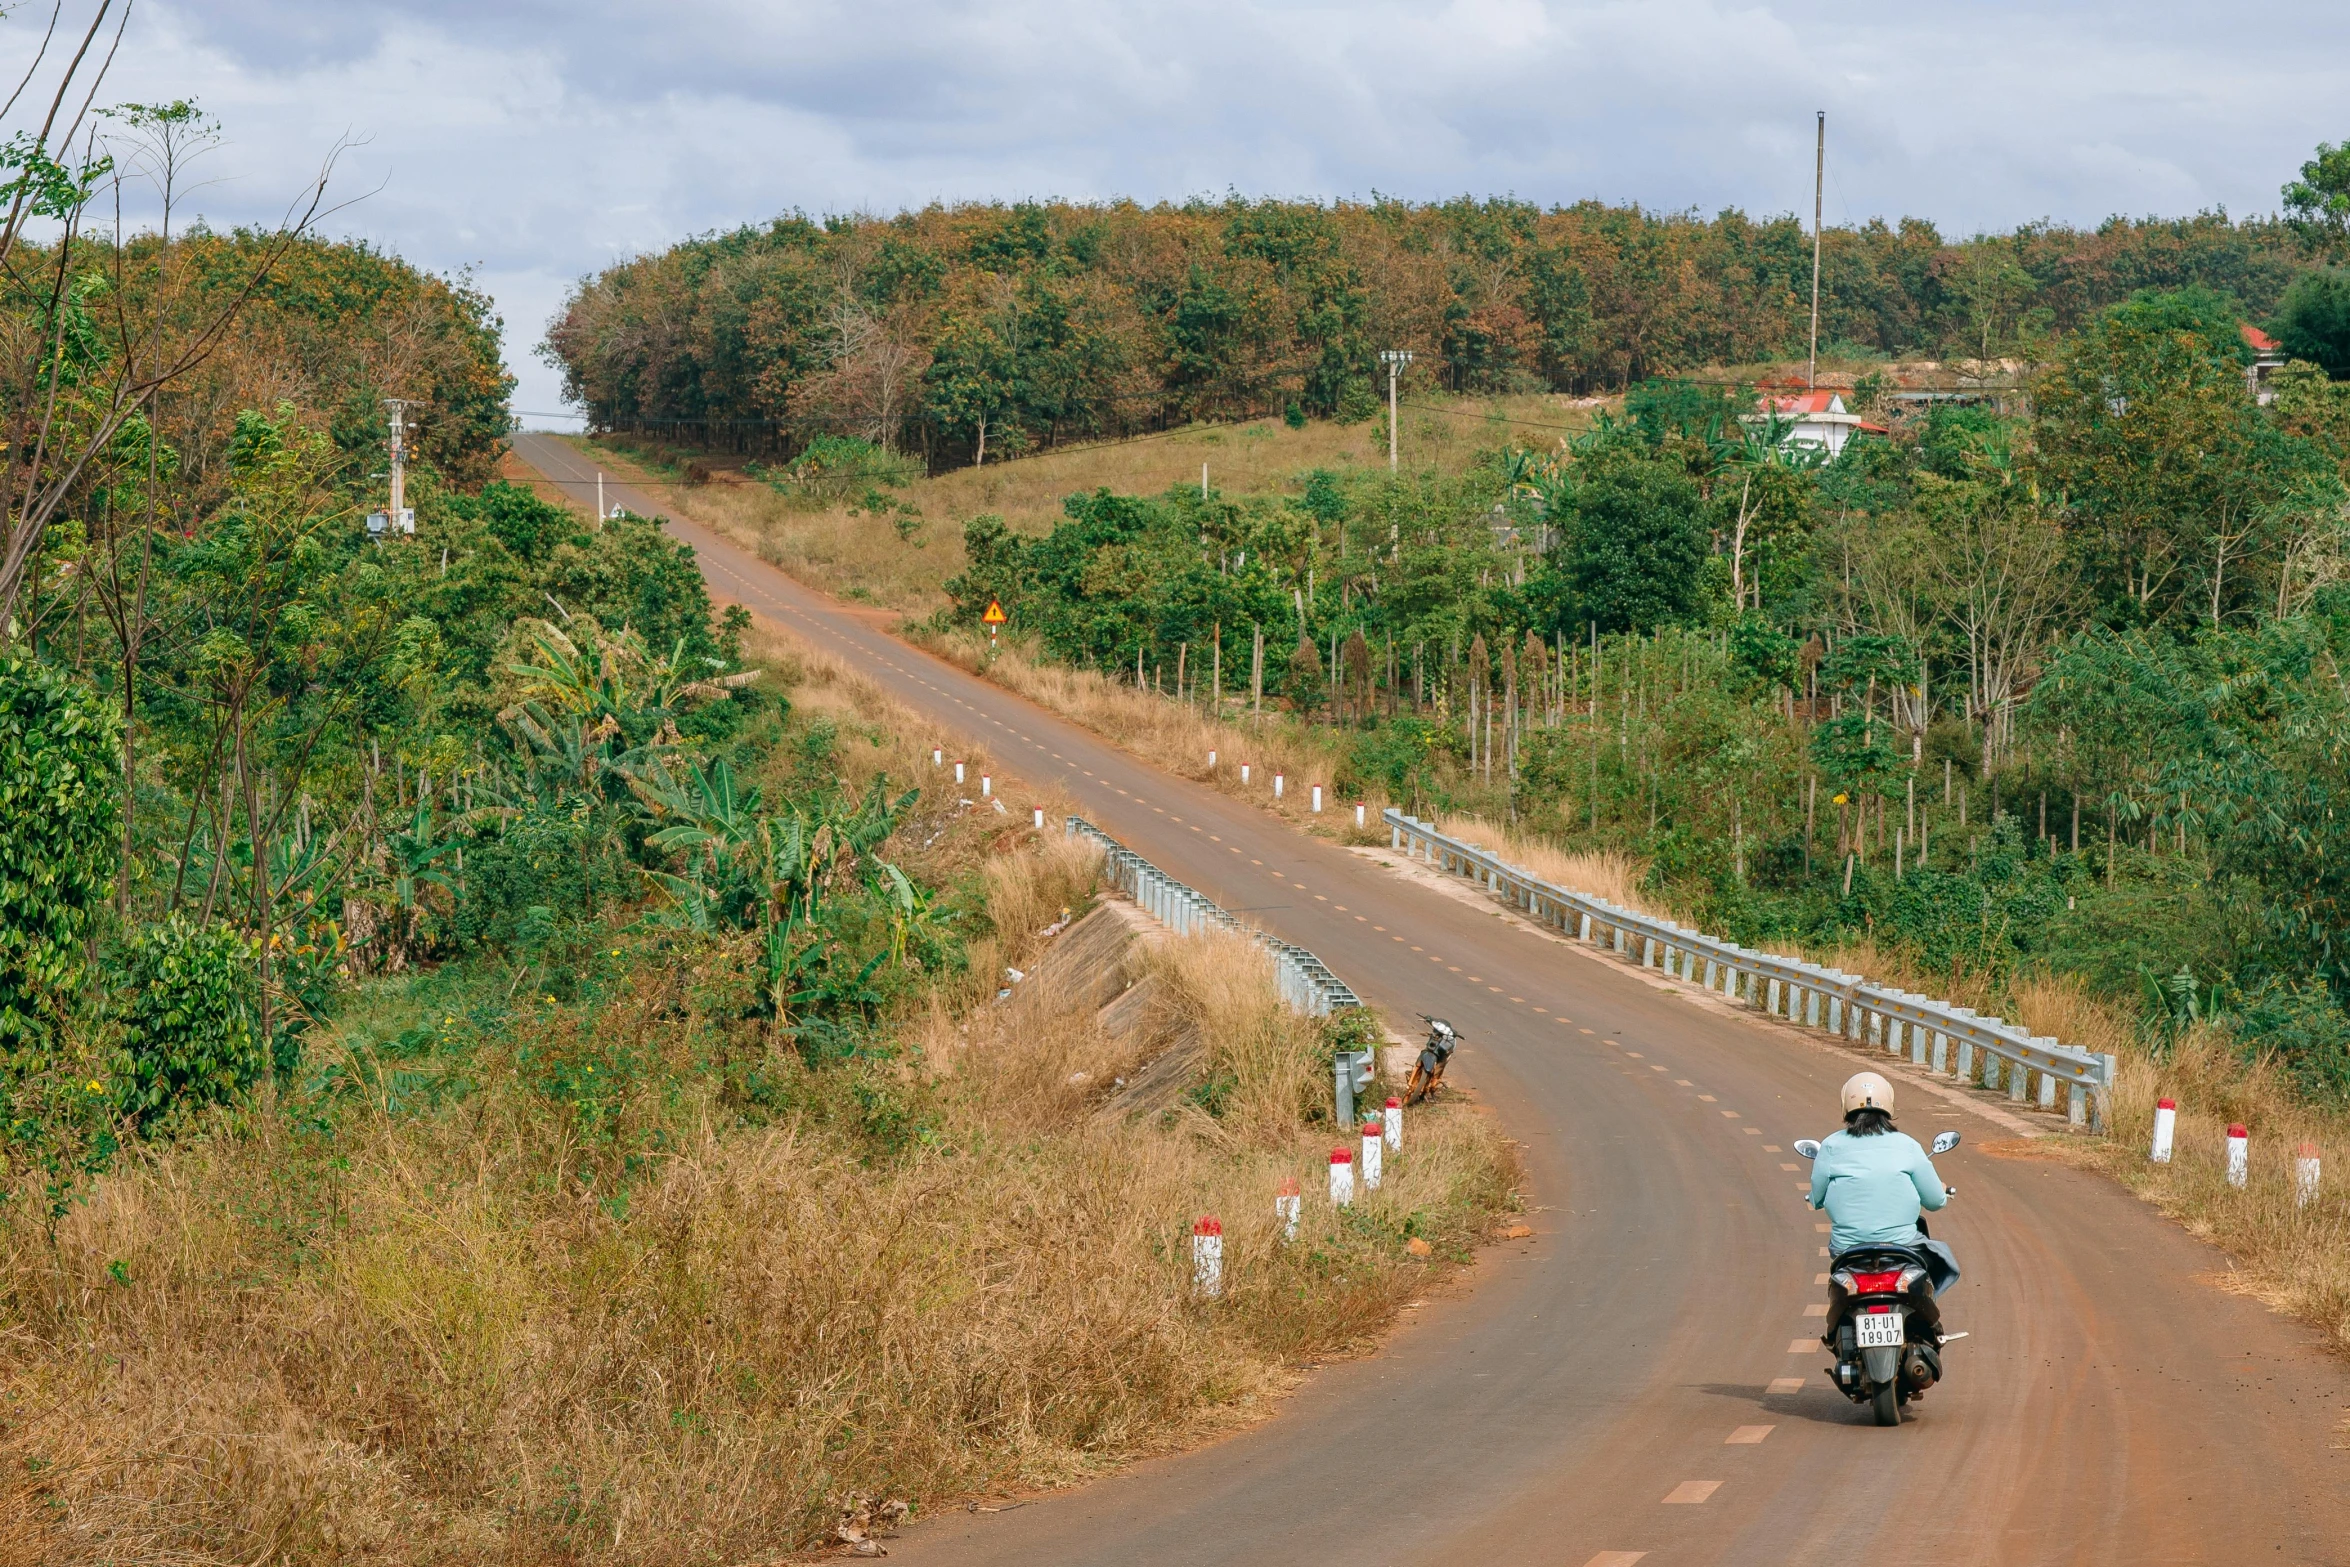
1244,774
986,785
1207,1257
1278,782
1392,1123
1038,814
1358,817
1342,1178
938,757
1373,1140
1317,799
958,772
2239,1155
1286,1202
2166,1120
2305,1176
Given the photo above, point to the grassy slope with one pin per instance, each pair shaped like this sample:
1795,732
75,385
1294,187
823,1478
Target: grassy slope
614,1277
862,557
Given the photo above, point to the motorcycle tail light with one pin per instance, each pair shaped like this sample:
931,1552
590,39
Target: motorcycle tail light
1843,1278
1910,1277
1891,1283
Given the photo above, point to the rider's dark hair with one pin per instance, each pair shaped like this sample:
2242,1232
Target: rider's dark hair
1868,1122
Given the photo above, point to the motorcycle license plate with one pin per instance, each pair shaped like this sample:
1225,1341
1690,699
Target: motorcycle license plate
1879,1329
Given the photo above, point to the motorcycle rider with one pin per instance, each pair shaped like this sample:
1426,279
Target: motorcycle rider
1875,1182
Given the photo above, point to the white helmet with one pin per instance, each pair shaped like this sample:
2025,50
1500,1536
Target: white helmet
1867,1091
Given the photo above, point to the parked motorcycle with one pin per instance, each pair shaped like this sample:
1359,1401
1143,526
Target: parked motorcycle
1428,1072
1886,1323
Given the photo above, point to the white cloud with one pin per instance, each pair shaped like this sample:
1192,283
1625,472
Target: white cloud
538,141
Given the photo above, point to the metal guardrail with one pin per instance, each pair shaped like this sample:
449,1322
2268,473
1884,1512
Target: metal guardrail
1305,982
1990,1051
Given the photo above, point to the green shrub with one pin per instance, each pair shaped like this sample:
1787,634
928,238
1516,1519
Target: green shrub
58,767
190,1036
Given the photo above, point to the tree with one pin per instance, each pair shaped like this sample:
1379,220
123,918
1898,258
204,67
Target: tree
1636,547
2144,429
88,339
2318,203
2313,319
1304,681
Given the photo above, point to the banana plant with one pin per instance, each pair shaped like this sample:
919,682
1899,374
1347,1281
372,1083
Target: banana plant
621,679
412,860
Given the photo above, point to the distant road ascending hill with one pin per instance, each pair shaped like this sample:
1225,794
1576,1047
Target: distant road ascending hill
2112,1404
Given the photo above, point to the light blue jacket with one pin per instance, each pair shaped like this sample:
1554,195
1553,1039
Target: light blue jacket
1874,1188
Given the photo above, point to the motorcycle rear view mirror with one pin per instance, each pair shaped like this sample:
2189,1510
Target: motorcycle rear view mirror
1945,1141
1808,1147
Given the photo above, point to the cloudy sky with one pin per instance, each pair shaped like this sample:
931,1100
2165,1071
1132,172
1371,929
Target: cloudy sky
533,141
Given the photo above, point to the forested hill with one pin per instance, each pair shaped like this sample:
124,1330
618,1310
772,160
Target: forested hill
1016,326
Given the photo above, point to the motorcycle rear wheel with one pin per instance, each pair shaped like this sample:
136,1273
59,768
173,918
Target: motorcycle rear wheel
1885,1404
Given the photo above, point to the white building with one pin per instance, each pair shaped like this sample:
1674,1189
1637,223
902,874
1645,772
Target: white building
1817,419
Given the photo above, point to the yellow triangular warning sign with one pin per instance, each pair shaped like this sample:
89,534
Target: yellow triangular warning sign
995,615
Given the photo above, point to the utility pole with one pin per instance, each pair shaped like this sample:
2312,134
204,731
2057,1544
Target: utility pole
1394,359
396,518
1819,180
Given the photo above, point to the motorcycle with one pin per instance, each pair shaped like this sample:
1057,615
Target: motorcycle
1886,1321
1428,1072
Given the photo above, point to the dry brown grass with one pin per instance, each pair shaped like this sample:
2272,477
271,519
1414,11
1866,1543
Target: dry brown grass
1178,736
2295,1258
1611,874
861,556
380,1326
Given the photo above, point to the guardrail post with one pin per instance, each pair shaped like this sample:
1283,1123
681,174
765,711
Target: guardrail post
1771,997
1941,1063
1583,927
2076,1106
2101,1102
2019,1077
1966,1060
2047,1080
1835,1014
1917,1044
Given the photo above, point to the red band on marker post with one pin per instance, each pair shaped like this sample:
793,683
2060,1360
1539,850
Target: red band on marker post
1210,1225
1341,1156
2237,1130
2166,1104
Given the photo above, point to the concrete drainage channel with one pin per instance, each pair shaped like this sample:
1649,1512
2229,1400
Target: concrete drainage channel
1947,1040
1306,982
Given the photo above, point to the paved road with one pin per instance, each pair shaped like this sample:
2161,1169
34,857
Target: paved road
1586,1402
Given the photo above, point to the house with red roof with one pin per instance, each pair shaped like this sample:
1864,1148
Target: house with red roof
1815,418
2268,357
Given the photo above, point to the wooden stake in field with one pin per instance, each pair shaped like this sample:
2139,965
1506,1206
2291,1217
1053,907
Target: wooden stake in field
1256,673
